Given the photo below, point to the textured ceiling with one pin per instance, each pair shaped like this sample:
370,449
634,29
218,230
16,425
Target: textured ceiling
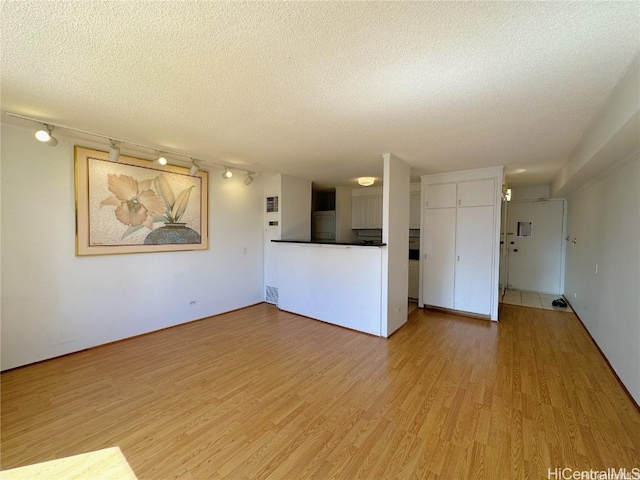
320,90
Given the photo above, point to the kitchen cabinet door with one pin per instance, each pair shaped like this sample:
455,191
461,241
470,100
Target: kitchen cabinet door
438,257
358,212
366,211
474,259
374,211
476,193
440,196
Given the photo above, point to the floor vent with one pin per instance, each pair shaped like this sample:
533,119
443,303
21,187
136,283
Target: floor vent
272,295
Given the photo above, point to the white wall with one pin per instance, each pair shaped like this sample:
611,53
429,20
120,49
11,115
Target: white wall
55,303
529,192
612,136
604,220
272,187
395,233
338,284
295,204
293,222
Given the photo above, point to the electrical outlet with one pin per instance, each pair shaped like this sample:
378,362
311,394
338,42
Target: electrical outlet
192,302
244,250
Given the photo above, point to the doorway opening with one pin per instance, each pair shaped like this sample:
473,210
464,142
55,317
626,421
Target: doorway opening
533,252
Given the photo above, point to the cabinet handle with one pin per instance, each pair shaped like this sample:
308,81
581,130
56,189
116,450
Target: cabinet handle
459,201
458,257
427,203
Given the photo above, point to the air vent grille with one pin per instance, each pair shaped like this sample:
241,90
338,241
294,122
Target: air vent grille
272,204
271,295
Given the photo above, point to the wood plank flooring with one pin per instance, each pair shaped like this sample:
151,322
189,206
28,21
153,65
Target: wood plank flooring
260,393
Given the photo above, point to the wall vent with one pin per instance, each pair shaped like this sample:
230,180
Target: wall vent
272,204
271,295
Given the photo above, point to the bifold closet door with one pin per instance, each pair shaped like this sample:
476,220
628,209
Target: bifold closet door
438,254
474,259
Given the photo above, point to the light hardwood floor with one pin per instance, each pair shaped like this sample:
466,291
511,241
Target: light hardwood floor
260,393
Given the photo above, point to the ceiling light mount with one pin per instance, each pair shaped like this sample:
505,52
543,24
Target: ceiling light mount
227,173
194,168
114,152
160,160
249,178
366,181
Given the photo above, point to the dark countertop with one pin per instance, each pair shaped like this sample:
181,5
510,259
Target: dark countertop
349,244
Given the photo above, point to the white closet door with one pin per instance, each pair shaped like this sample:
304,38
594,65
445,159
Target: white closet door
474,259
440,196
438,265
477,193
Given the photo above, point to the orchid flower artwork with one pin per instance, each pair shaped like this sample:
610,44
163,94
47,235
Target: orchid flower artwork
130,206
138,205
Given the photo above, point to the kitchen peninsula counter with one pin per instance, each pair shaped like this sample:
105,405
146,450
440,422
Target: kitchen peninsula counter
320,242
338,283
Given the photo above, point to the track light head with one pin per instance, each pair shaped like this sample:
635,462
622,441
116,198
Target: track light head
194,168
227,173
114,152
249,179
161,160
45,136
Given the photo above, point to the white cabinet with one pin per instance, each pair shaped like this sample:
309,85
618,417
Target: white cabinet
460,241
358,215
477,193
366,208
438,257
374,211
440,196
474,242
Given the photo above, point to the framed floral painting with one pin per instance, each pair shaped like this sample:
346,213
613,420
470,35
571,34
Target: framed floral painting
134,206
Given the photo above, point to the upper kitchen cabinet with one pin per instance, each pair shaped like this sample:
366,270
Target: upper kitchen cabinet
366,208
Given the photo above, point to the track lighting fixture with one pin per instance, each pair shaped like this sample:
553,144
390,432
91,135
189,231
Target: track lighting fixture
114,152
45,136
161,160
194,168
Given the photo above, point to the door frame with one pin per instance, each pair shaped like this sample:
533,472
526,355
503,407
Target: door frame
563,244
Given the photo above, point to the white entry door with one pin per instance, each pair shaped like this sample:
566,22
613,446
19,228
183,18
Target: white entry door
535,246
